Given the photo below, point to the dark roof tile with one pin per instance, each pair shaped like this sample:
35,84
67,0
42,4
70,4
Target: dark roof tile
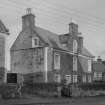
98,66
3,29
52,39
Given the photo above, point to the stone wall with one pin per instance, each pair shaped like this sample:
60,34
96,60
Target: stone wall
27,60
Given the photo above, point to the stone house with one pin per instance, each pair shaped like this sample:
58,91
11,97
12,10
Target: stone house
50,57
98,70
3,34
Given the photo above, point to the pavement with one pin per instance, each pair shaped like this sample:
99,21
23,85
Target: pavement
32,100
36,100
28,100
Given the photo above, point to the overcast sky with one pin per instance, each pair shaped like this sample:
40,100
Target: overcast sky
55,15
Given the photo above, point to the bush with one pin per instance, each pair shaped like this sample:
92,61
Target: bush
7,91
41,88
92,86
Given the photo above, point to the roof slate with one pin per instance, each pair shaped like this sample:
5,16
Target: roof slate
85,52
53,40
84,64
98,66
3,29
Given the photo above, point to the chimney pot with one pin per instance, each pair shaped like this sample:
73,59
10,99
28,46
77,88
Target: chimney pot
28,19
73,29
99,59
28,11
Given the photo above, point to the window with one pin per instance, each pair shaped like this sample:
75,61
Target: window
75,46
57,78
97,75
103,76
56,61
89,65
64,44
1,50
68,79
84,78
74,78
74,63
89,78
35,42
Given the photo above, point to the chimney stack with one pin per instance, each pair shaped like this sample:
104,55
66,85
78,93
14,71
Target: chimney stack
99,59
80,46
28,11
28,19
73,29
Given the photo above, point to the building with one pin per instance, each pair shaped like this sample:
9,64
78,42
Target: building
3,34
50,57
103,62
98,70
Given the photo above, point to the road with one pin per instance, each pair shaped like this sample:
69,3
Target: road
55,101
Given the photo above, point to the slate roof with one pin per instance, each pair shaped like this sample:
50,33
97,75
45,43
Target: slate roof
84,64
98,66
103,62
3,29
85,52
53,40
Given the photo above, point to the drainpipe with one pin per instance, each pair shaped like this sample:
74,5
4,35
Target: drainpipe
46,63
5,57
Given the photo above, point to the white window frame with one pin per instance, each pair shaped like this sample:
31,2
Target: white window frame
84,79
64,44
68,79
75,63
75,78
57,78
56,64
97,75
89,78
1,50
33,42
75,46
89,65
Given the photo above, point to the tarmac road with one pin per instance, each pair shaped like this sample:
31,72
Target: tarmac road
56,101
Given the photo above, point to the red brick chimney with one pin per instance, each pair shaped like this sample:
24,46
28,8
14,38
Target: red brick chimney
28,19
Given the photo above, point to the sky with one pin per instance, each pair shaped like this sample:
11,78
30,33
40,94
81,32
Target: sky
55,15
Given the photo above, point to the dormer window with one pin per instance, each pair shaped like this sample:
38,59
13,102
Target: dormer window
35,42
75,46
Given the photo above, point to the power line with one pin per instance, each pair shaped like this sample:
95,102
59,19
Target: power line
77,11
10,8
88,26
67,19
77,14
54,13
14,3
96,23
21,4
11,5
81,20
62,15
34,6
